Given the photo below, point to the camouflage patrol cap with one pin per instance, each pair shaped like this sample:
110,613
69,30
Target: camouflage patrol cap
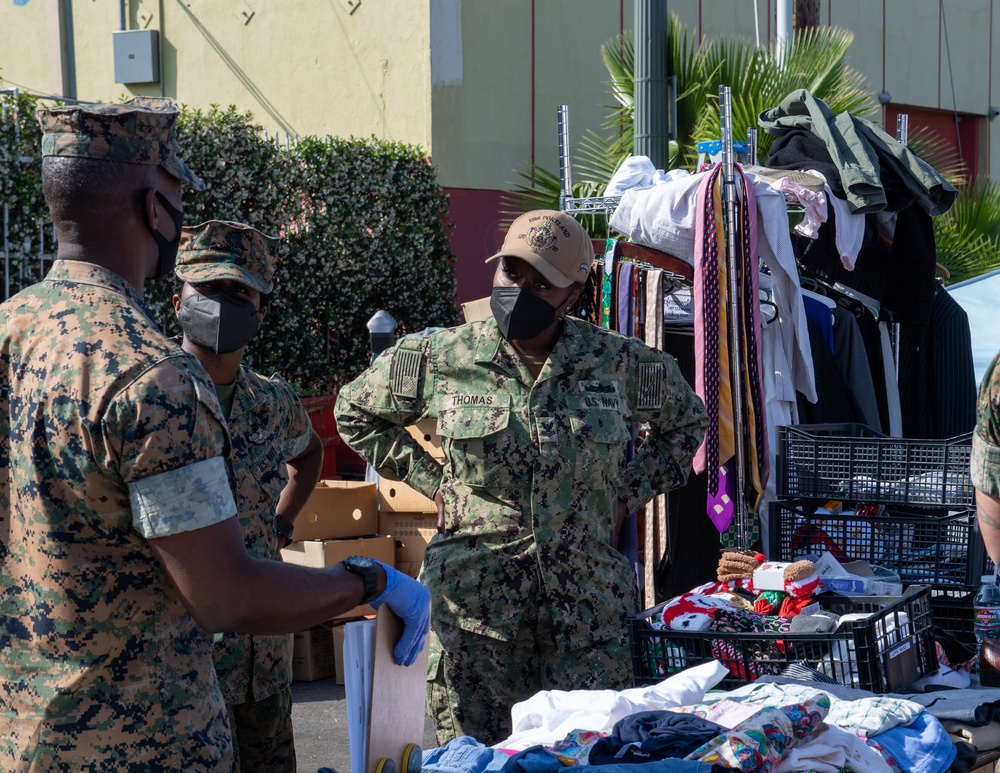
139,131
219,249
552,242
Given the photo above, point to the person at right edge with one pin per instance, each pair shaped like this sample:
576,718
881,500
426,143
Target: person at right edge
985,464
534,408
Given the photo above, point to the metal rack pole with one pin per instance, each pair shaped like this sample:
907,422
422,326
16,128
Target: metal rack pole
902,135
734,318
565,172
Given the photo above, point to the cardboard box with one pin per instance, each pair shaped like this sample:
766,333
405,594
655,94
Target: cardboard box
770,575
338,646
412,532
338,509
476,310
327,552
396,497
425,433
314,654
411,568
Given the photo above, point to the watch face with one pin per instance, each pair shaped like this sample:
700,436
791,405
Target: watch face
362,562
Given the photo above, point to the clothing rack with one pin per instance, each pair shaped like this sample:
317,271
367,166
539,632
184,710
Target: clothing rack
606,204
591,205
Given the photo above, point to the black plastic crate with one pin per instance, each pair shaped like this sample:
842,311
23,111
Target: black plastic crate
951,609
945,550
884,652
855,463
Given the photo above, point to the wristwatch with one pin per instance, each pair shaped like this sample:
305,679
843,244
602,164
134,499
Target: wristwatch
284,528
367,570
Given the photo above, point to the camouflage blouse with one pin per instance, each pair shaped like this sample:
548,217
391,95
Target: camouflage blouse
533,469
268,425
109,435
986,439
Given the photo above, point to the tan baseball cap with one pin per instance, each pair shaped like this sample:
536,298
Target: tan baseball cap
552,242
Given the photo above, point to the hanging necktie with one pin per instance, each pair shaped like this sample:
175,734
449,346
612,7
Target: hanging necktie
628,538
756,441
712,351
755,462
607,284
656,546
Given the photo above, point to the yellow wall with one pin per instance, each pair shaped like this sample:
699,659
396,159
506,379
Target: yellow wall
300,66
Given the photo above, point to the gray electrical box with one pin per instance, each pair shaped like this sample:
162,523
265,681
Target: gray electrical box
137,56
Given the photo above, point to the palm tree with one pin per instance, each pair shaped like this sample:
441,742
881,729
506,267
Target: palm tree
967,237
816,60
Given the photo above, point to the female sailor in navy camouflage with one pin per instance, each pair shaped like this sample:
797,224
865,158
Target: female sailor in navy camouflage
534,470
535,410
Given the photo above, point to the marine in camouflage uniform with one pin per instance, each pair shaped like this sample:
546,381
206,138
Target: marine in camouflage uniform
268,426
985,463
528,592
109,436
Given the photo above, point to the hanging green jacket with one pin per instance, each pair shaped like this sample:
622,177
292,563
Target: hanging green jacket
860,149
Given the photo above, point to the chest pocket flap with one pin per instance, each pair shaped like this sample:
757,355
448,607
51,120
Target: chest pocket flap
600,426
474,416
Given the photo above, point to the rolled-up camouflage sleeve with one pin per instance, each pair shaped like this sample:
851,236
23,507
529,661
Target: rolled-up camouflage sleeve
165,436
373,410
674,420
985,464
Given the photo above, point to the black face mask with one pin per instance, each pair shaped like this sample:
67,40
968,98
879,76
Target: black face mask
519,314
167,247
218,322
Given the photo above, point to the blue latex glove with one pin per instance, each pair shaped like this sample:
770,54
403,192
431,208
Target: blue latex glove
411,602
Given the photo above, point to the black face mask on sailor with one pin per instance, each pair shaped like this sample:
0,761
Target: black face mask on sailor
520,315
218,322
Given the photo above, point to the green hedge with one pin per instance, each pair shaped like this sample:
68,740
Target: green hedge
363,226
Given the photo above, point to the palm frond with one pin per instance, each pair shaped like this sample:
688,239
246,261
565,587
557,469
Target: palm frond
967,236
939,153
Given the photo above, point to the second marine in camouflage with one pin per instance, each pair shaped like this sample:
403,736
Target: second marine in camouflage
222,287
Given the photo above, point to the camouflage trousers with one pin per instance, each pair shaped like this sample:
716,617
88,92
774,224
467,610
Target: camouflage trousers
473,680
262,734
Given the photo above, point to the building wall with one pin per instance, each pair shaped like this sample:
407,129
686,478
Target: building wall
301,67
476,83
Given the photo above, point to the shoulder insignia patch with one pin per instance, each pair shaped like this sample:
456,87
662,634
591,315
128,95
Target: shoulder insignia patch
406,367
649,386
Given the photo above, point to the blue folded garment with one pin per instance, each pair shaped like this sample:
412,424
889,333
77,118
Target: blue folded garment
464,755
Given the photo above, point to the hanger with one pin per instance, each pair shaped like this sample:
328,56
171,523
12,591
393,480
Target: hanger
768,317
839,294
826,301
866,302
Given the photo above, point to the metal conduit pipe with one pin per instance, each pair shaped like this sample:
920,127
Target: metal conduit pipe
652,112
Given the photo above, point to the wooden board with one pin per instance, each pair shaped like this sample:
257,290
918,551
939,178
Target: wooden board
399,694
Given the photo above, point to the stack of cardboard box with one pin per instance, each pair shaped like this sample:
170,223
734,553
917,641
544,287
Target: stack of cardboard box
406,514
390,522
339,520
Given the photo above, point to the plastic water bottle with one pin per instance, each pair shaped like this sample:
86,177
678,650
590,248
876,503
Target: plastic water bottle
986,610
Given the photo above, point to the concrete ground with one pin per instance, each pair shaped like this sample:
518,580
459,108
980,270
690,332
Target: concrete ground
319,721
